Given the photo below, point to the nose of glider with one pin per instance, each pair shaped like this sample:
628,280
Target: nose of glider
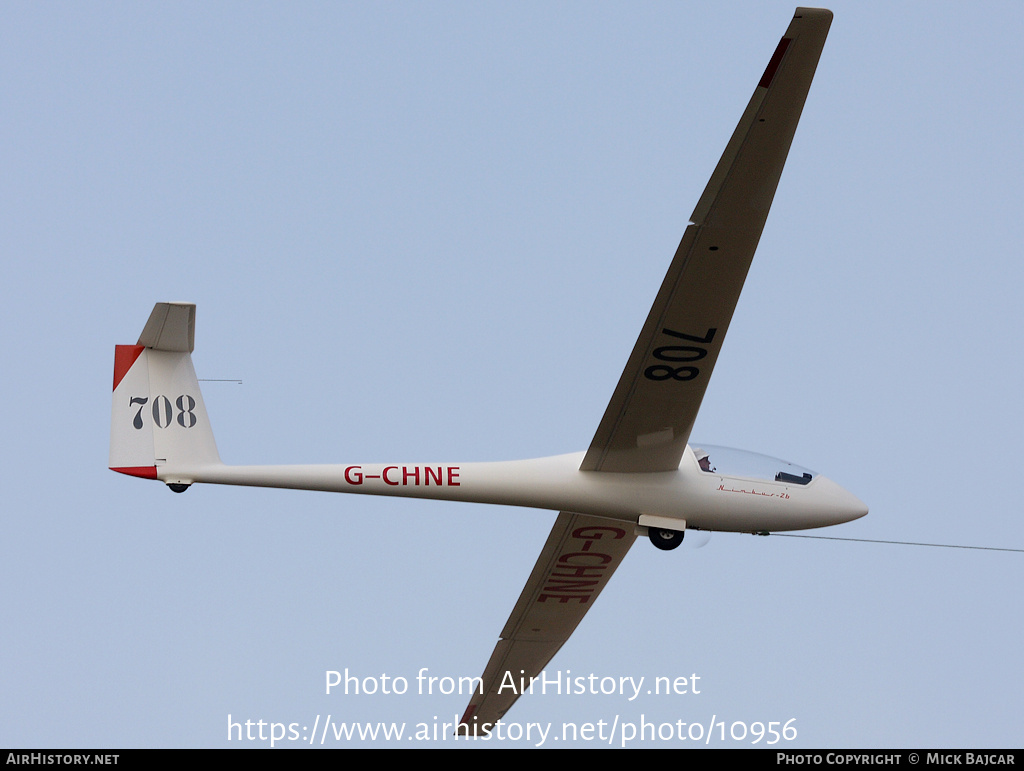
842,505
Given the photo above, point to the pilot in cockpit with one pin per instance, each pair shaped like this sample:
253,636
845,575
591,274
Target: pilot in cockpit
703,460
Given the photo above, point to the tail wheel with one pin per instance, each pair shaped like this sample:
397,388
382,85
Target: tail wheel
666,540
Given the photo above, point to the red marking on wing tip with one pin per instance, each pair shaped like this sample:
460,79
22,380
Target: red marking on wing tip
773,65
146,472
471,729
124,357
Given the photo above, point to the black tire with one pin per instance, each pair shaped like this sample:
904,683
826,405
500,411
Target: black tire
666,540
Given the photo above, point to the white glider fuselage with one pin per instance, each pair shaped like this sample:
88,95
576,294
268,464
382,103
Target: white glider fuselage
160,430
693,498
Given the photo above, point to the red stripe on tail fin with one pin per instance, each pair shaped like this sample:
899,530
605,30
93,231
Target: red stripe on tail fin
124,357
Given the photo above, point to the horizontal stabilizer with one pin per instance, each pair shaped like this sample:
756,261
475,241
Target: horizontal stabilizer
171,327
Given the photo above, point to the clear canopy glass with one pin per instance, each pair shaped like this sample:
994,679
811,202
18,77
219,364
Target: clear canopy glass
741,463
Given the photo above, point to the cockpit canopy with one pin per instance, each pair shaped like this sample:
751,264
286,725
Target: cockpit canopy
729,461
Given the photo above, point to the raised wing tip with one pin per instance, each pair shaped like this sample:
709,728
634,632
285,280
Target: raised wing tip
813,13
805,19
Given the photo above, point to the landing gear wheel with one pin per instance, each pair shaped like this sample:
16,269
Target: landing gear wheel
666,540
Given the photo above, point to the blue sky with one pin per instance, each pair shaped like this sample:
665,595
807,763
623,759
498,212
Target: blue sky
431,232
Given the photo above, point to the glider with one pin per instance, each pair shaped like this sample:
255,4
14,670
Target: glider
638,477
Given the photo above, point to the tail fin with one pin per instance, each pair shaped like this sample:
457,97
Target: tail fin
159,428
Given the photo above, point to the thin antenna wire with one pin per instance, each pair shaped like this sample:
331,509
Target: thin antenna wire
901,543
217,380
